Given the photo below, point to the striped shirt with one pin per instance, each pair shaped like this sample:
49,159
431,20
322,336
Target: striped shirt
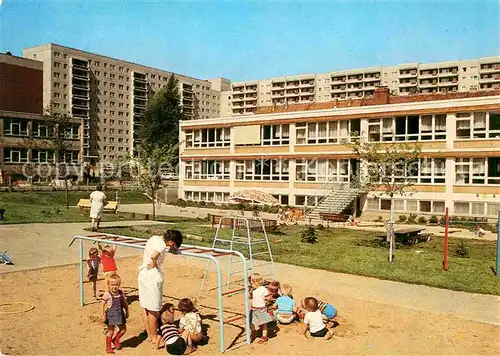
321,305
169,333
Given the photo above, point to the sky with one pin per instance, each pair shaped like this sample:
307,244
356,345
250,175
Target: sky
246,40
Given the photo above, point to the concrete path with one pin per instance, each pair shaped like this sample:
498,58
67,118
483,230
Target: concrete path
46,245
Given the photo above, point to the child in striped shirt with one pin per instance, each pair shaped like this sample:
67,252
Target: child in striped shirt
175,343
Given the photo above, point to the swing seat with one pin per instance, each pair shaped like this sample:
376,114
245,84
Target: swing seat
4,259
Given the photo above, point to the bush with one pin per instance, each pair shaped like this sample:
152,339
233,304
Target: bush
433,219
422,220
412,218
401,218
309,235
181,202
442,220
379,219
462,251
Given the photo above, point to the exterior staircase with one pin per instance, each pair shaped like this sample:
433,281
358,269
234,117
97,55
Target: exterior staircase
335,199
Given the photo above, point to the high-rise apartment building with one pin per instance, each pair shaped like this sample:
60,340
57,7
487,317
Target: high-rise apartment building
109,95
457,76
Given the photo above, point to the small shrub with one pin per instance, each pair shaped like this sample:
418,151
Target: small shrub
378,219
320,227
181,202
401,218
202,203
412,218
462,251
422,220
442,220
309,235
493,228
433,219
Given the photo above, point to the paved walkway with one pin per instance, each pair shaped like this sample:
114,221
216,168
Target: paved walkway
45,245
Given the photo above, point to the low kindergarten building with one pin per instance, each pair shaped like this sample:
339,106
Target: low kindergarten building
300,153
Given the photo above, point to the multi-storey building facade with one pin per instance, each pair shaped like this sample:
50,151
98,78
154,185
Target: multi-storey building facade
25,134
293,152
109,95
404,79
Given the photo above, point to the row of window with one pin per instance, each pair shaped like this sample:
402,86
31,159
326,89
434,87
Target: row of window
432,206
478,170
25,155
478,125
41,129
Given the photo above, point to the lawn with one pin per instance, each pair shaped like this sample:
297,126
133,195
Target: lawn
361,253
50,207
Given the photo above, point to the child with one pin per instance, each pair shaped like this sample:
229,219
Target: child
260,316
313,320
273,294
285,306
328,311
190,320
175,343
114,312
93,268
108,260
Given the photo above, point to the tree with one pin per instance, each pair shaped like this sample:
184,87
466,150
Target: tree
58,134
151,164
388,168
160,121
159,137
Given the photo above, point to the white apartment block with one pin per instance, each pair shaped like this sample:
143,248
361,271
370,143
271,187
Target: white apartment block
456,76
109,95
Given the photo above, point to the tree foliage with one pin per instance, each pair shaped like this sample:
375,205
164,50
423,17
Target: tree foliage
160,121
388,167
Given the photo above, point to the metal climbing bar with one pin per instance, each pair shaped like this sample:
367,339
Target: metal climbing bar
200,252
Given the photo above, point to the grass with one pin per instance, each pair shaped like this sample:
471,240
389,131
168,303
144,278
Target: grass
50,207
361,253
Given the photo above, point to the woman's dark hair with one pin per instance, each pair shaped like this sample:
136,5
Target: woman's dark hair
185,305
98,187
173,235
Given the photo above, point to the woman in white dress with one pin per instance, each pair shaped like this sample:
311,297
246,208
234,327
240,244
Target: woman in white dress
150,279
97,203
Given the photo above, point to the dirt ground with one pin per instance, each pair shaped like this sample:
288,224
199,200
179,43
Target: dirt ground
59,326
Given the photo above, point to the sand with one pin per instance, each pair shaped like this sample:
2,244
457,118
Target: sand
59,326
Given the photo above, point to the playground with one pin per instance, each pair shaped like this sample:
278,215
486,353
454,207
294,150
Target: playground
59,326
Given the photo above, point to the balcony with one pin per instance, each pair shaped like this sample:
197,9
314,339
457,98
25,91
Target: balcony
292,94
80,94
448,83
489,78
307,98
251,95
278,85
307,90
81,64
408,73
187,88
238,111
448,74
372,84
354,89
307,83
292,83
428,84
354,79
490,68
140,87
250,104
79,84
341,79
428,73
252,88
240,89
80,105
80,74
368,93
140,77
408,84
339,90
429,90
371,76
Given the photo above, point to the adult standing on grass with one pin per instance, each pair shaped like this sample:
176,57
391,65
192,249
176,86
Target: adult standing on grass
150,279
98,201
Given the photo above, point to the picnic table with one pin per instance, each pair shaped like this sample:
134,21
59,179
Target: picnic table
411,235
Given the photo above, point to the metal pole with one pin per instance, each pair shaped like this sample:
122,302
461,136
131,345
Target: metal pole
246,296
219,299
498,246
445,257
81,273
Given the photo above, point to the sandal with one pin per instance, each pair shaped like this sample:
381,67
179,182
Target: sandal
262,340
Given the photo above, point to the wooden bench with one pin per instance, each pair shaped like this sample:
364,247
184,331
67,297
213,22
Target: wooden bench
331,217
84,204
